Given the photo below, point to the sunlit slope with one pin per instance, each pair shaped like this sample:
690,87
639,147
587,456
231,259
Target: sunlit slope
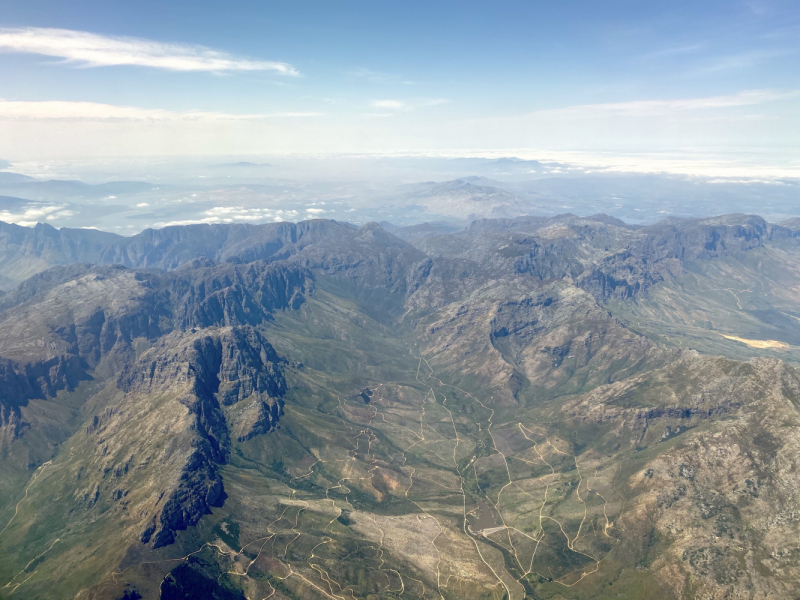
746,304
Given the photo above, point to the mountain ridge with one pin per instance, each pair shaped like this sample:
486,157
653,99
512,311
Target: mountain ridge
488,405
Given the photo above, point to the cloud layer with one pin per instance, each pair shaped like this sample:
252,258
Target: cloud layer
408,105
662,107
391,104
108,112
32,214
235,214
93,50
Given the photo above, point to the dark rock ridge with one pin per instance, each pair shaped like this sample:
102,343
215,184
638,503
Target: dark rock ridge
40,379
208,371
546,261
230,364
368,253
669,245
123,309
203,293
604,256
168,248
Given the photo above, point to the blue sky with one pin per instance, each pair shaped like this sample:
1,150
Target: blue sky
301,77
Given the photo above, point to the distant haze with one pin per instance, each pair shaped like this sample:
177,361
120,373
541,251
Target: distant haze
128,196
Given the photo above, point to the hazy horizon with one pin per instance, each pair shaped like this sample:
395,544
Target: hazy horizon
128,196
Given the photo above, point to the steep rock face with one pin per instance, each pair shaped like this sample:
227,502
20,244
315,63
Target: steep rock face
148,463
627,274
41,379
546,261
73,323
369,256
205,372
602,255
785,229
15,390
66,328
85,316
704,239
26,251
666,247
229,364
203,293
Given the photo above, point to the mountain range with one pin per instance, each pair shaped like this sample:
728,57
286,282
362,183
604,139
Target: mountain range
526,407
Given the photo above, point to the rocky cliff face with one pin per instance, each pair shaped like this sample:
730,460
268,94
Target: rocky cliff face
665,248
186,394
27,251
20,383
604,256
204,293
81,322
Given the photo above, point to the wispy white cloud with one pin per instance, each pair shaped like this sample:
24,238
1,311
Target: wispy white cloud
662,107
672,51
736,62
235,214
57,109
93,50
410,104
390,104
30,215
434,102
373,76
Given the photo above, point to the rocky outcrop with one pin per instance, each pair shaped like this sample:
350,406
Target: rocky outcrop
227,379
204,294
546,261
627,274
41,379
80,322
230,364
255,417
26,251
666,247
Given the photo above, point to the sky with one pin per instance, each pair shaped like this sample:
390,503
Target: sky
178,78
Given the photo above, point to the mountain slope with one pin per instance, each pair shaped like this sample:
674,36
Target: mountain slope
336,413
